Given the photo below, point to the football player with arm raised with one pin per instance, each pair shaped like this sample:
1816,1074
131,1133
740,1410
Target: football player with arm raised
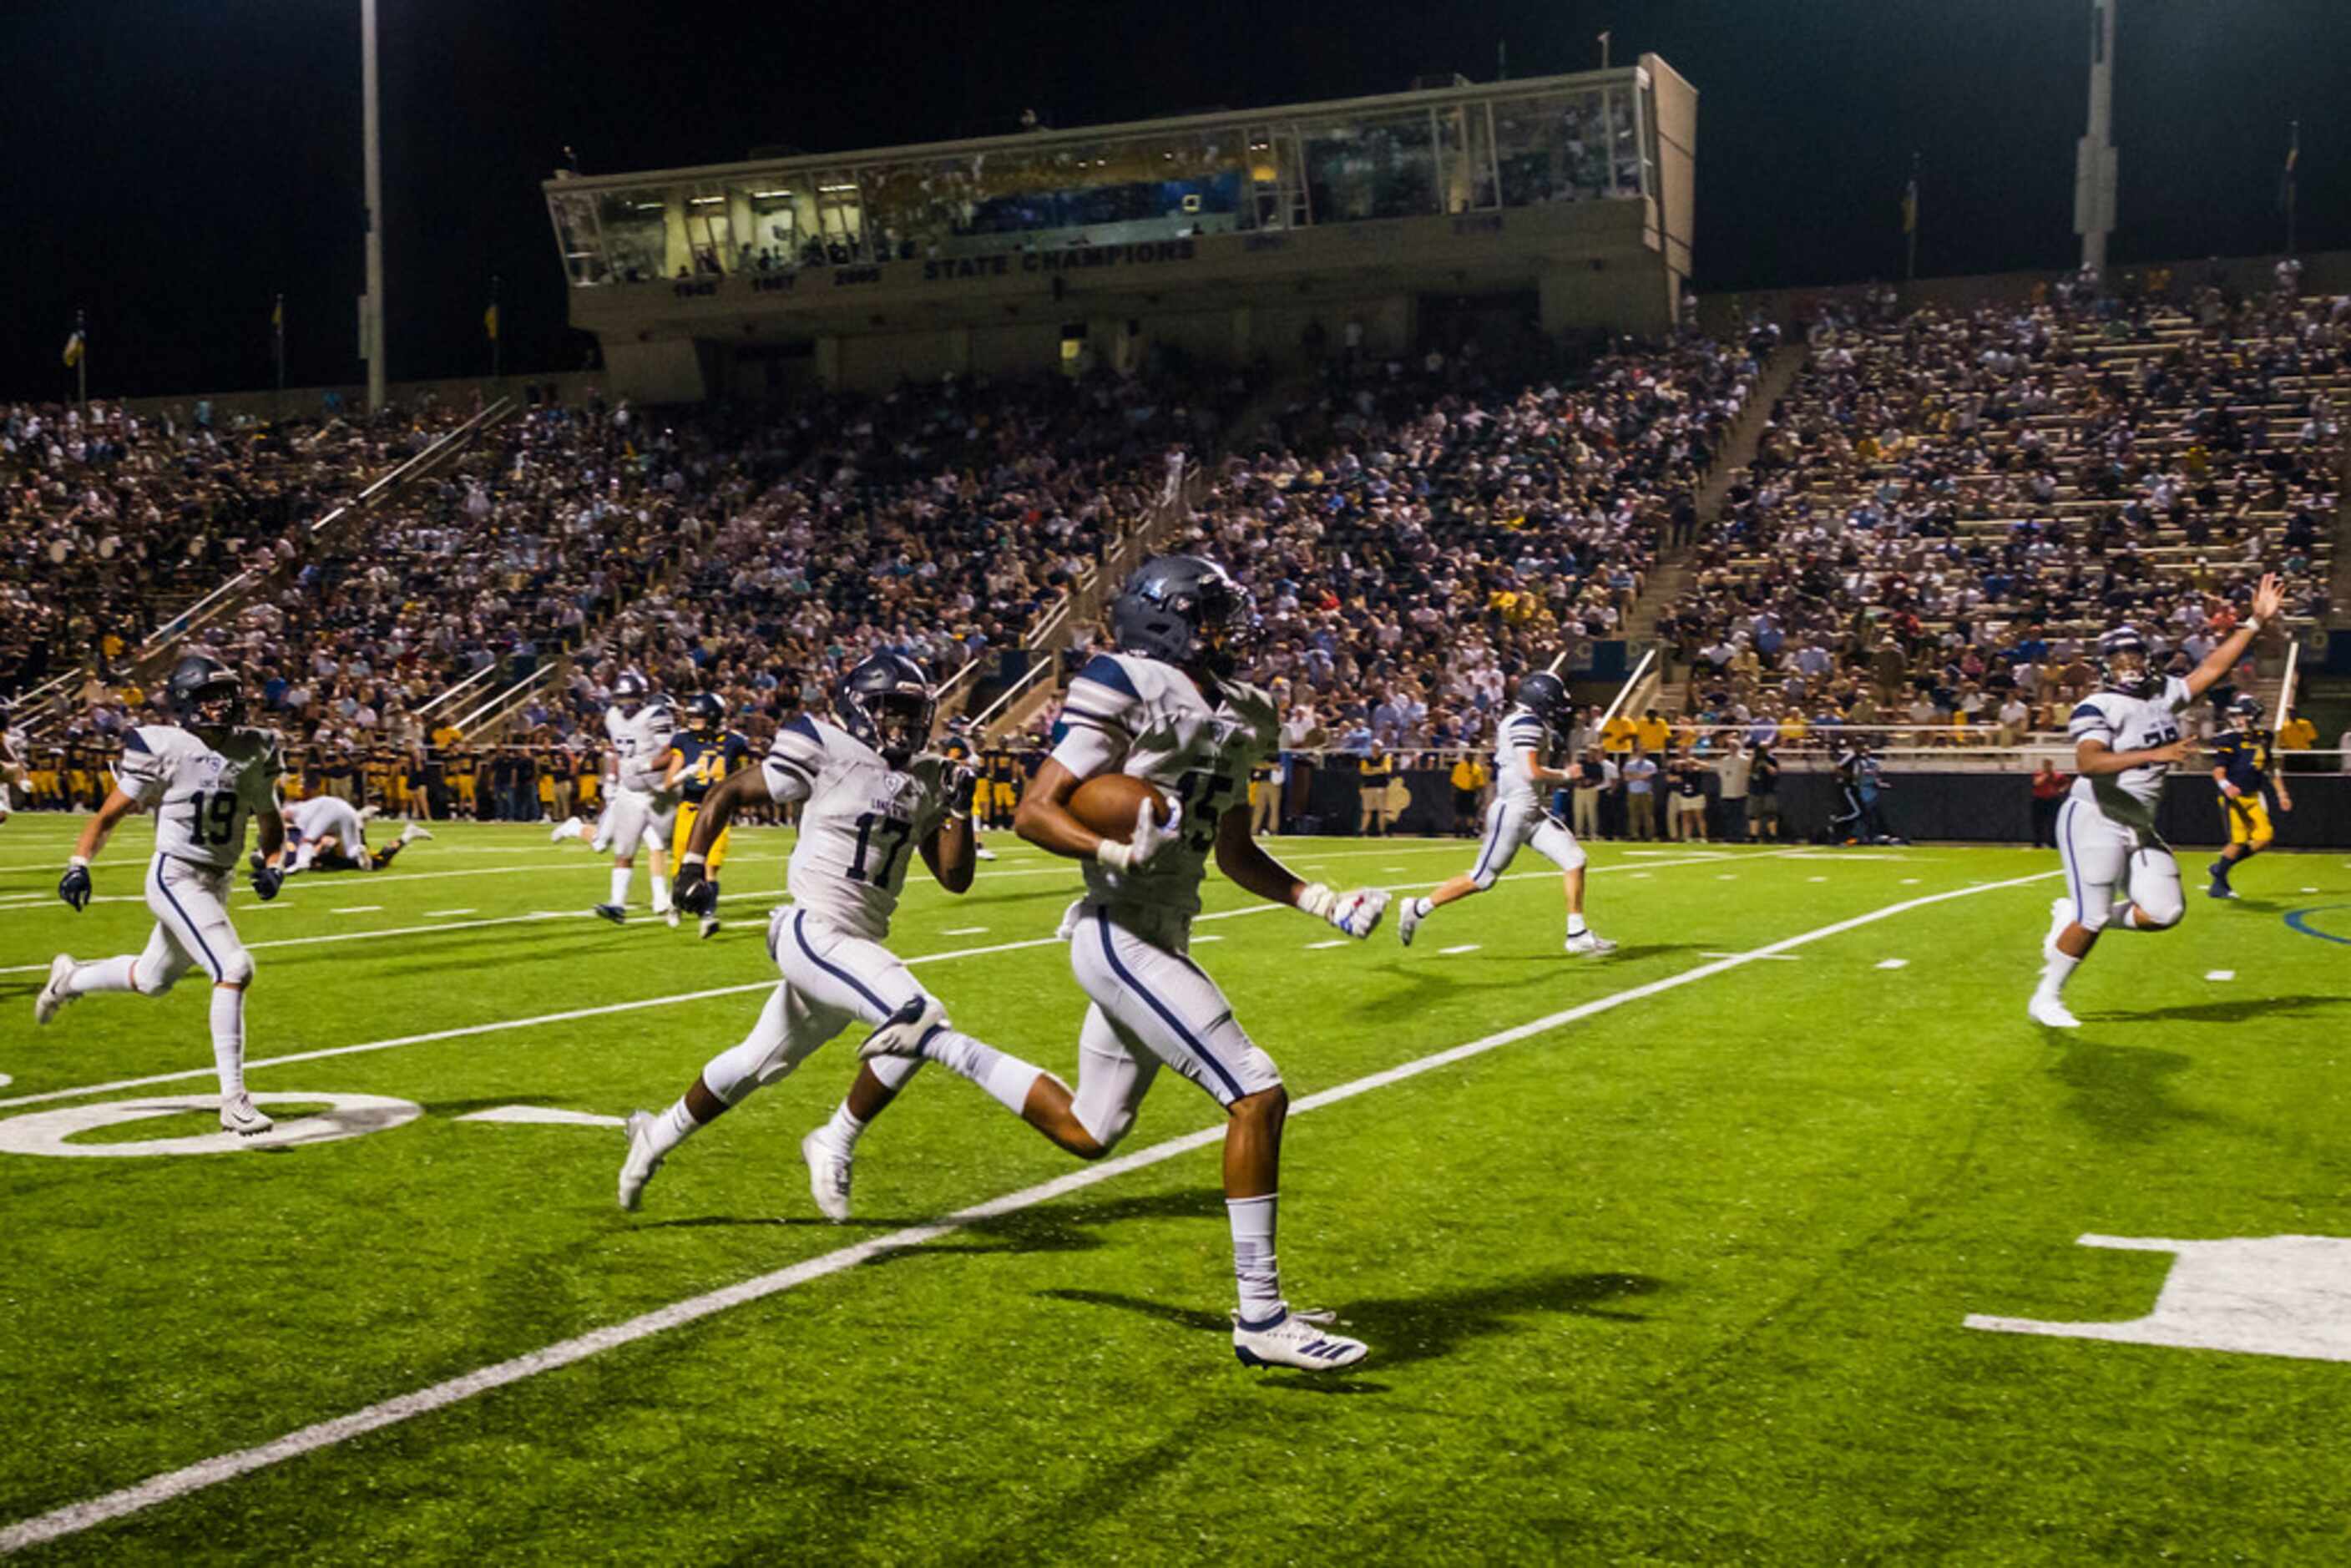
1166,708
1517,819
2127,737
204,774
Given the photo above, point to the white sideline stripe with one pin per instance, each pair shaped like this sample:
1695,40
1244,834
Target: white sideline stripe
77,1517
493,1028
378,878
1776,958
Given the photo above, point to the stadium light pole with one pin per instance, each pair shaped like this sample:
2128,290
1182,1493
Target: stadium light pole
372,142
2096,167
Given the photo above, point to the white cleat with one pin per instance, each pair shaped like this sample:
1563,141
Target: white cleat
2051,1012
828,1164
240,1115
639,1167
569,828
984,853
709,926
415,832
54,995
2061,915
670,916
1589,941
1296,1339
903,1032
1408,919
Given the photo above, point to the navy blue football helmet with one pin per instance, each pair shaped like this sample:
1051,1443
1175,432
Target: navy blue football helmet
887,703
705,713
2125,664
1185,611
1544,696
204,691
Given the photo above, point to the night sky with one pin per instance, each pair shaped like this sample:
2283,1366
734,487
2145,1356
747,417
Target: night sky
170,166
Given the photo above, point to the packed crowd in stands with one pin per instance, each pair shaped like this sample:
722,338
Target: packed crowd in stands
1951,505
110,520
1946,510
1418,533
754,553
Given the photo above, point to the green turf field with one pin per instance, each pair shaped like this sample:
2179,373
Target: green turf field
1680,1273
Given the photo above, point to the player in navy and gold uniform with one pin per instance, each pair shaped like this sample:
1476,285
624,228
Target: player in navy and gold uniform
955,745
2241,767
707,751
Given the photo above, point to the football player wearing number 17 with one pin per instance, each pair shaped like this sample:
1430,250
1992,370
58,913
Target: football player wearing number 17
872,796
204,776
1165,708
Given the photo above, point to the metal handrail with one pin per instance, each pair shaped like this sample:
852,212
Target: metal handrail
452,692
204,609
506,701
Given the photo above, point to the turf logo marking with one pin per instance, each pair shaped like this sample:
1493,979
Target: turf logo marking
2260,1295
2299,920
51,1133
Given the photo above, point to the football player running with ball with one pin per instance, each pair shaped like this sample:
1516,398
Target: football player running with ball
2127,737
204,776
1166,708
1517,819
872,796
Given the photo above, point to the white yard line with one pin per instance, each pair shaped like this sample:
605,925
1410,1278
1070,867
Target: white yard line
358,909
1777,957
1460,947
495,1027
78,1516
1894,963
438,914
329,881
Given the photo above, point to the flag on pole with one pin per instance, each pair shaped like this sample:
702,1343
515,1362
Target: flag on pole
277,316
1910,206
73,347
2286,178
490,321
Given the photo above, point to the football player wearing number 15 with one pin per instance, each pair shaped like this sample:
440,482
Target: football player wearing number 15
874,801
204,776
1166,708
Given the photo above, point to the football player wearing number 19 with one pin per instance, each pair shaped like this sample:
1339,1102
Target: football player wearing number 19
2127,737
871,795
204,776
1166,708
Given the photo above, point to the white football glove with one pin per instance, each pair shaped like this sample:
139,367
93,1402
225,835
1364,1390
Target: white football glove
1150,838
1357,914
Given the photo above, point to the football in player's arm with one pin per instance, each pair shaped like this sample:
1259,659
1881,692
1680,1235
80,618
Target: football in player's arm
1166,709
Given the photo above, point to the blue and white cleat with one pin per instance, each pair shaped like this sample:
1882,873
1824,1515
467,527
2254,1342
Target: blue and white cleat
1295,1339
1408,918
1588,941
612,912
639,1167
901,1034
